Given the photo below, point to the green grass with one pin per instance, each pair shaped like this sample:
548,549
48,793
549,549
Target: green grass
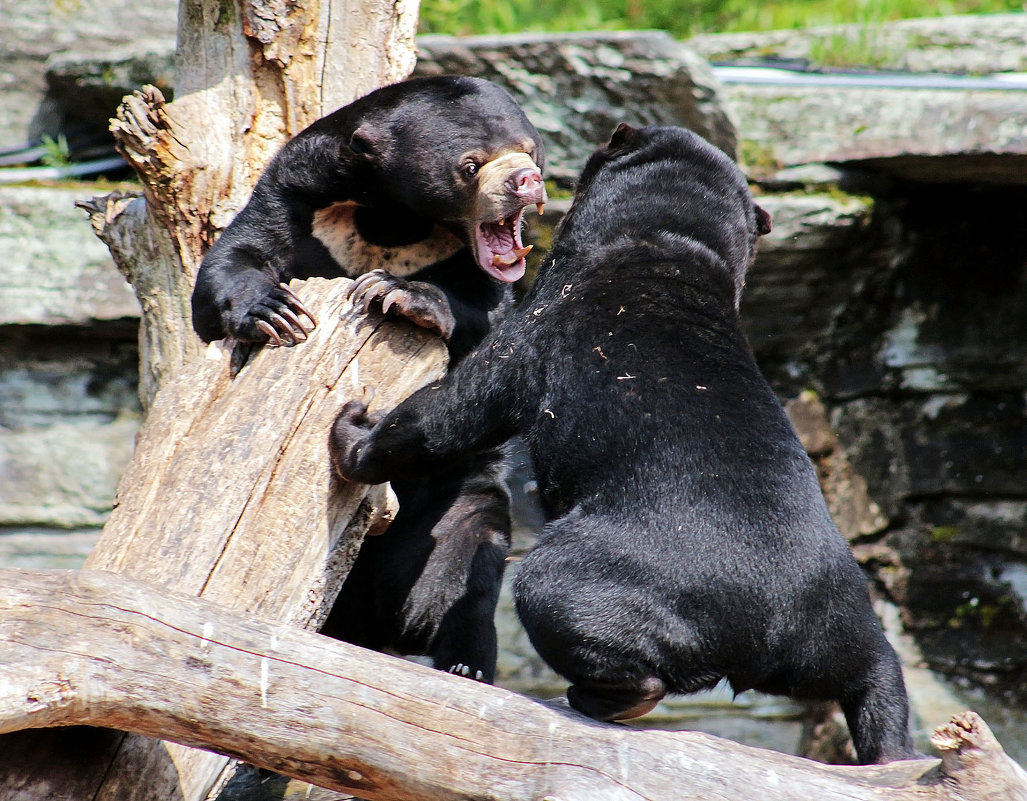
681,17
57,154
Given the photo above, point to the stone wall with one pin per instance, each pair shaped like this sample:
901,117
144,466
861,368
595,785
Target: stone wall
34,31
68,375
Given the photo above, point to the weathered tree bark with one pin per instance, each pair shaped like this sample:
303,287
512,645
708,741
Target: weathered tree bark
250,74
120,653
229,494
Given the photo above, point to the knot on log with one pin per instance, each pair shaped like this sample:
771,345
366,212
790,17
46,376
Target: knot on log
119,220
50,694
962,740
107,212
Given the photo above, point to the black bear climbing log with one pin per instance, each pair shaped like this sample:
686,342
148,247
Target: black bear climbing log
419,180
687,539
418,188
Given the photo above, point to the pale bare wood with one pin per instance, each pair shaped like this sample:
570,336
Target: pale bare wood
124,654
250,74
229,494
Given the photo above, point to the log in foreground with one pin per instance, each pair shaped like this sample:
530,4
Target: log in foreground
96,648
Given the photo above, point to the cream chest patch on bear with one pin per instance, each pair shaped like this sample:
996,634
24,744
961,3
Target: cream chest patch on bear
334,226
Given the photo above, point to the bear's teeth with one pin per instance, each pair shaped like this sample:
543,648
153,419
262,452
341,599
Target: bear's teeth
515,255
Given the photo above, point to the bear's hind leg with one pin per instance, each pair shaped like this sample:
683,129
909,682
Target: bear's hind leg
877,711
462,579
466,642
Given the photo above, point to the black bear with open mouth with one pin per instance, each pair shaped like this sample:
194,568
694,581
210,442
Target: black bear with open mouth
687,539
417,190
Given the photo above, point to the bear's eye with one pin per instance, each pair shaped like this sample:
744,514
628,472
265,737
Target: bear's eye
470,169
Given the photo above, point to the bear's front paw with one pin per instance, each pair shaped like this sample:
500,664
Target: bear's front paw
350,432
421,303
276,318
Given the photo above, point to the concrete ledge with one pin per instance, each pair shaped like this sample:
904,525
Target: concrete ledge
971,44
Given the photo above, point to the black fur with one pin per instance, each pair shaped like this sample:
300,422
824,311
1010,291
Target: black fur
688,541
429,585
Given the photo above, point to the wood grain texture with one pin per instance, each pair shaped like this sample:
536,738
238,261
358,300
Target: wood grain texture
250,74
125,654
229,494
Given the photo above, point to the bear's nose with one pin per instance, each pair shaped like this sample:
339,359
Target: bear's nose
526,183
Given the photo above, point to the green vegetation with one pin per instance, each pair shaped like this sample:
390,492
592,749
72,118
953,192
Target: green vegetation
57,154
862,48
680,17
944,533
758,157
981,615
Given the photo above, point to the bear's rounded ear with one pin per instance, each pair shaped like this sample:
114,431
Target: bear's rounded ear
365,142
622,136
763,221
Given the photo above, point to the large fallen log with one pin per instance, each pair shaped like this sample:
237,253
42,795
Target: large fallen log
96,648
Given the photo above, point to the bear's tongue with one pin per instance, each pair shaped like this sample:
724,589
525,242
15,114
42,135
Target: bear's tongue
499,249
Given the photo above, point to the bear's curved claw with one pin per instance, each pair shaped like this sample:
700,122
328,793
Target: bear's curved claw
421,303
285,329
296,304
279,317
461,669
359,287
272,335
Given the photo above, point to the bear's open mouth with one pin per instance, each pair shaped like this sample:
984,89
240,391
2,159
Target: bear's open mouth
499,249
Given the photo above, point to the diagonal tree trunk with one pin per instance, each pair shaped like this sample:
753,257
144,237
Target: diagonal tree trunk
229,497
